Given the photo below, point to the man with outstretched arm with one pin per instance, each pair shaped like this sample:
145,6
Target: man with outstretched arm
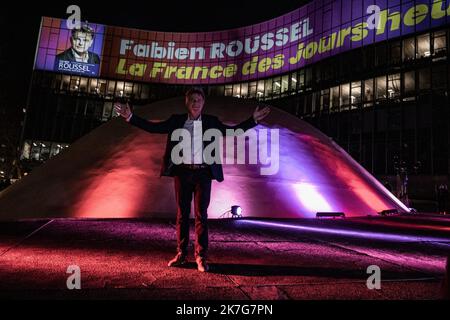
193,176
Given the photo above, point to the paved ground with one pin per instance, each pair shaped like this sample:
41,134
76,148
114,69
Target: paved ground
250,259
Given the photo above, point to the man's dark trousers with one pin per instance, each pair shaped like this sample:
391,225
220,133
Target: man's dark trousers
195,182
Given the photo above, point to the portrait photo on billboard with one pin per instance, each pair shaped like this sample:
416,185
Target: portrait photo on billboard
76,51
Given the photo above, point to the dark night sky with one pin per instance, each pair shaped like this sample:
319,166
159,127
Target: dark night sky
166,15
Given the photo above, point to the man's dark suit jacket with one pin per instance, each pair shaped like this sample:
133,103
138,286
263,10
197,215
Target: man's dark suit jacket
67,55
177,121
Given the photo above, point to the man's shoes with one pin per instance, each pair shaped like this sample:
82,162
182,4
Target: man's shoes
179,260
202,266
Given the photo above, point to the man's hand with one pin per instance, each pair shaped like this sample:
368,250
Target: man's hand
260,113
122,109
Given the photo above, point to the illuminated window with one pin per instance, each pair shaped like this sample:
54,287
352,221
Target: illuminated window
355,96
65,85
57,79
55,149
45,151
276,86
111,87
268,88
423,46
260,89
439,43
380,83
237,90
74,84
120,89
368,90
101,87
394,85
284,84
301,79
93,86
107,109
345,96
35,151
26,151
228,90
252,89
83,84
128,89
294,82
244,90
334,98
409,49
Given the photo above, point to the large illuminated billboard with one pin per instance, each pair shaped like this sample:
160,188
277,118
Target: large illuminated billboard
74,51
318,30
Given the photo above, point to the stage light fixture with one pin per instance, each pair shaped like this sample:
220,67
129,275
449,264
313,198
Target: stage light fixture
388,212
330,215
234,212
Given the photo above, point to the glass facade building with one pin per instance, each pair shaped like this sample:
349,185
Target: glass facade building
385,101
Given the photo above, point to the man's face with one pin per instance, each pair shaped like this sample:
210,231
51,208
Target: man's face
81,42
194,104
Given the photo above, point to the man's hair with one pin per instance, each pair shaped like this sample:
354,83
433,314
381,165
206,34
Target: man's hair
197,90
85,29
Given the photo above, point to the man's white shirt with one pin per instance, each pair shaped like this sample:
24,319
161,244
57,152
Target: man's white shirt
195,129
